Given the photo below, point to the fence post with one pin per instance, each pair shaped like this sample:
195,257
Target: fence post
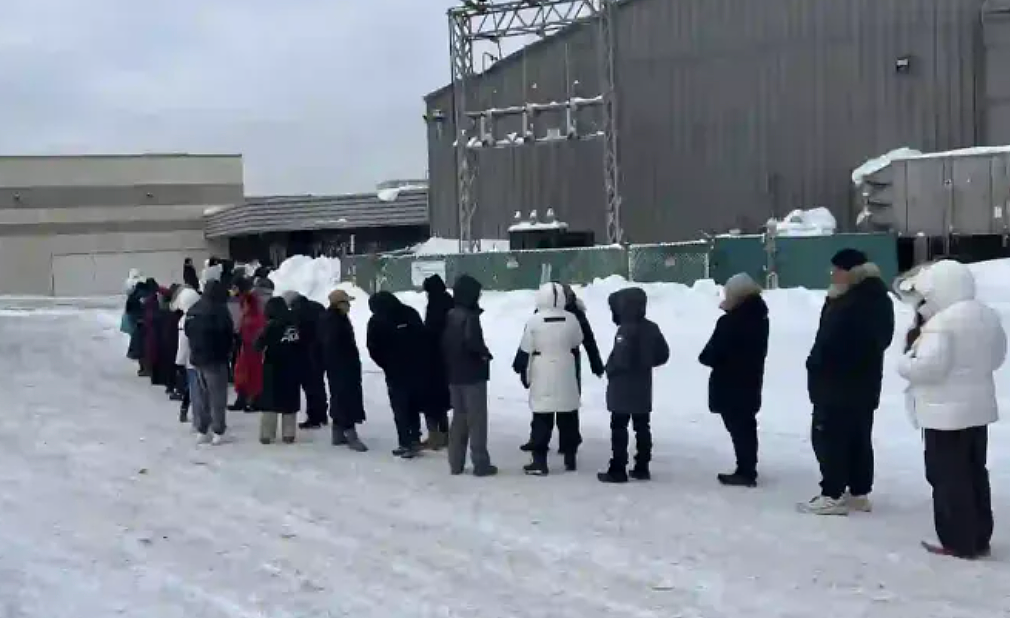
771,248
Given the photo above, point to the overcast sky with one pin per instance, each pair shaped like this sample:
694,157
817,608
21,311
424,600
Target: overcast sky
319,95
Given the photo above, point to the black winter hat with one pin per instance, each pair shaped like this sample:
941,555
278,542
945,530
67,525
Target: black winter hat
847,259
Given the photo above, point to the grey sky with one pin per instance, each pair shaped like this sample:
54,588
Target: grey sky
319,95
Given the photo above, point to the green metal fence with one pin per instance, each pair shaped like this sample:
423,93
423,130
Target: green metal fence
794,261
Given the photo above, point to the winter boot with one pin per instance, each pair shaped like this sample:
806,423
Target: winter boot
571,462
641,472
738,479
183,413
823,505
488,470
353,441
338,437
239,405
940,550
406,452
613,474
537,467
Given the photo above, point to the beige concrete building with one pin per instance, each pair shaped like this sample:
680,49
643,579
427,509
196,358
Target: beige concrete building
76,225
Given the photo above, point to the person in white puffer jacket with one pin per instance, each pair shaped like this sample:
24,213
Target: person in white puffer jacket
547,365
185,300
951,395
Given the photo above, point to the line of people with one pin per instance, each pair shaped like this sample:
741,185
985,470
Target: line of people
288,344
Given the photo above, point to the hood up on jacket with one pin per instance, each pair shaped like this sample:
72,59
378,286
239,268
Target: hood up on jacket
215,292
738,288
628,306
943,284
385,305
466,292
276,309
550,296
434,284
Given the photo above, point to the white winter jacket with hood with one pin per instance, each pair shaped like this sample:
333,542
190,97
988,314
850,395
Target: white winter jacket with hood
950,366
184,301
550,336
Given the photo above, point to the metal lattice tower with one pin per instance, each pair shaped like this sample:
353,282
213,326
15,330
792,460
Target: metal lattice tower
494,21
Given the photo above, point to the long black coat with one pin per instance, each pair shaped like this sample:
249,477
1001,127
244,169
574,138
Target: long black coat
397,342
639,347
135,309
283,361
307,315
846,364
467,358
343,368
736,353
435,315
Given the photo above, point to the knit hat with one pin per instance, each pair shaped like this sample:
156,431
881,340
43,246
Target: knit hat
847,259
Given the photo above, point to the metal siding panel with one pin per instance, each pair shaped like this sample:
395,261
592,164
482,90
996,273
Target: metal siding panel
972,186
927,196
1001,193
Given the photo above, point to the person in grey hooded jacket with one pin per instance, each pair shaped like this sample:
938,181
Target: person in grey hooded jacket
639,347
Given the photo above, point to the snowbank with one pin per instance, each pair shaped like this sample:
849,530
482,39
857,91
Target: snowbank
391,194
449,246
814,222
313,278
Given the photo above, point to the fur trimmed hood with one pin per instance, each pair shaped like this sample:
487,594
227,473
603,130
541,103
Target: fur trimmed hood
859,274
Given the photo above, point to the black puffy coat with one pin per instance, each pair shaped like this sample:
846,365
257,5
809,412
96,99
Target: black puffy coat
736,353
397,342
307,315
283,361
639,347
436,313
343,368
209,328
846,363
467,358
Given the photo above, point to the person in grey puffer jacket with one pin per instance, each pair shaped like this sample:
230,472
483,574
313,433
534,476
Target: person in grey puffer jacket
639,347
468,368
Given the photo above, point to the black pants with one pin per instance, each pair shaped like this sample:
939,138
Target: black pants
743,430
437,421
962,500
407,415
542,428
843,444
563,447
315,391
619,439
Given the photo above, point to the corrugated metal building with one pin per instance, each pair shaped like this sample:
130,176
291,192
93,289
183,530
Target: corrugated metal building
274,227
733,111
76,225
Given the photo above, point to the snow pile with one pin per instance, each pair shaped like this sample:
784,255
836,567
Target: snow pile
313,278
875,165
391,194
814,222
449,246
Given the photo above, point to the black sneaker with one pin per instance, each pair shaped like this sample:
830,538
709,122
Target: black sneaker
310,425
489,470
527,448
571,463
737,480
405,452
640,473
536,468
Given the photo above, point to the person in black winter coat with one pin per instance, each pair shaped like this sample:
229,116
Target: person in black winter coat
307,315
639,348
209,329
736,354
189,276
436,401
135,309
844,376
468,367
343,372
576,307
283,364
396,341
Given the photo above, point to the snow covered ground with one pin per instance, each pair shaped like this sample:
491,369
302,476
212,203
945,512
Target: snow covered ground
107,508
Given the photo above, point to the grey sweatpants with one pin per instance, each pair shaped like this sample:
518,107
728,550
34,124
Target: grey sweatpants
210,398
469,425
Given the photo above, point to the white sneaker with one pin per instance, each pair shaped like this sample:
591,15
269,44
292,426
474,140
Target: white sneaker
203,438
218,439
859,504
823,505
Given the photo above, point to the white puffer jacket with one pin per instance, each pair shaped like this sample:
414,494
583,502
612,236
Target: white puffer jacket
950,366
550,336
184,301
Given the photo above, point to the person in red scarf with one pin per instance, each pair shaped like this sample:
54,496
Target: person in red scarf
249,364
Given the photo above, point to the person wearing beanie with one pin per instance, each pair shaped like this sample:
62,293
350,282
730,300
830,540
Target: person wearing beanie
844,375
342,363
736,354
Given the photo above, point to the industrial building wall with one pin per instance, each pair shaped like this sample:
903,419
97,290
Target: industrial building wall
731,111
74,226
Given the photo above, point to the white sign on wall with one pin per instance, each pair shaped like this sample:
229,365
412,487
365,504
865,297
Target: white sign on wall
421,270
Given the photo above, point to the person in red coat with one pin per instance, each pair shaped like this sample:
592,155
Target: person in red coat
249,364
